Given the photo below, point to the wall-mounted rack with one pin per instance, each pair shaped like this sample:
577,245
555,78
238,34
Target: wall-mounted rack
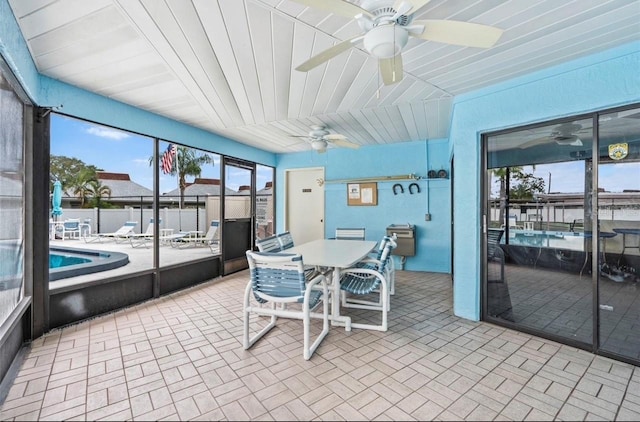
410,176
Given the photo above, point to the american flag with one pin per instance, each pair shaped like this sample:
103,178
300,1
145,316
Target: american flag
167,159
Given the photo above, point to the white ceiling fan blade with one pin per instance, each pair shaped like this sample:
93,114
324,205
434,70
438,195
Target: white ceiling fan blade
335,137
328,54
345,144
571,140
337,7
391,69
537,141
403,7
459,33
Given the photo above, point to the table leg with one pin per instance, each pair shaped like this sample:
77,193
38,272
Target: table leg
336,318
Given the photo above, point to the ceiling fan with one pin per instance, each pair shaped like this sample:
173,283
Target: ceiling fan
320,138
387,26
564,134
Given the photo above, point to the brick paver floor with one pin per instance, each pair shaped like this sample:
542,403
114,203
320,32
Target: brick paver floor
180,357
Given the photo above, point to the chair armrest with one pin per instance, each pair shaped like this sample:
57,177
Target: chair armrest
320,278
317,279
358,271
371,261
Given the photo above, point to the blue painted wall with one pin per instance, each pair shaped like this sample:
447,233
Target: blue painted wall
433,246
45,91
601,81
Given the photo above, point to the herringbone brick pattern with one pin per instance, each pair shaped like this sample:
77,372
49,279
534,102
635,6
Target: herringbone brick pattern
180,357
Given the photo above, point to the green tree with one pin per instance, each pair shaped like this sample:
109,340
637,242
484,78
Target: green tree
526,186
522,185
188,162
97,191
67,171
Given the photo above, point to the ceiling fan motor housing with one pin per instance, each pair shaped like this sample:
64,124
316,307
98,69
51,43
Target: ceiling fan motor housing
318,131
386,41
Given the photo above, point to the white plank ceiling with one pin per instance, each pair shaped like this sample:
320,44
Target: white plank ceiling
227,66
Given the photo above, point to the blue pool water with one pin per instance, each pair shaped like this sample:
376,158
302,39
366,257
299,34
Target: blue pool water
546,239
57,261
71,262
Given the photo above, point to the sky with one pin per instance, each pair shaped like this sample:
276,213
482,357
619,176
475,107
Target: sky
613,177
123,152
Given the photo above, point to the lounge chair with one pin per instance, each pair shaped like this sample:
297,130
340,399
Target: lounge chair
142,239
118,235
211,238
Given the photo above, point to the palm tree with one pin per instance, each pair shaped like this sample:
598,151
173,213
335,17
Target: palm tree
97,190
80,184
502,173
187,163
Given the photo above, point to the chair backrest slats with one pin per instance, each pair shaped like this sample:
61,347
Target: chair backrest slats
276,275
350,233
71,224
286,240
493,240
269,244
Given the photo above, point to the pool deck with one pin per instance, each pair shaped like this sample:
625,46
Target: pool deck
140,259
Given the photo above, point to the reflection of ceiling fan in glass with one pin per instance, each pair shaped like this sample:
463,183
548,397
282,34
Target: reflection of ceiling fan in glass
320,138
387,26
564,134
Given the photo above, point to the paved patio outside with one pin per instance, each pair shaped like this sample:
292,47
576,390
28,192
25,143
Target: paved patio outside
180,357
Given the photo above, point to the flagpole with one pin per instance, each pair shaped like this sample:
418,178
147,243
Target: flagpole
179,196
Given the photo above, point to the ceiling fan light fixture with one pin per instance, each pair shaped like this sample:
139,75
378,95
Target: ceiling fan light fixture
386,41
319,145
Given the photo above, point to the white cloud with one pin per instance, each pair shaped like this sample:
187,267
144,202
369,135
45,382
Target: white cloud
108,133
142,162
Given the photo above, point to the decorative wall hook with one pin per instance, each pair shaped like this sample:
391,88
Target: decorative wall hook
417,188
397,185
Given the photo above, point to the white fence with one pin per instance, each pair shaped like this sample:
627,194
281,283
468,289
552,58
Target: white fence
112,219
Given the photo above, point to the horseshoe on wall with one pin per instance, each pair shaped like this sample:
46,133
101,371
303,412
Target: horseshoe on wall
399,186
417,188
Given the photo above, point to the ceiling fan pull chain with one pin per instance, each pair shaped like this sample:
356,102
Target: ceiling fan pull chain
393,72
378,88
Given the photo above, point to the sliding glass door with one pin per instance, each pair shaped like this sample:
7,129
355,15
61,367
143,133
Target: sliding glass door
619,220
548,269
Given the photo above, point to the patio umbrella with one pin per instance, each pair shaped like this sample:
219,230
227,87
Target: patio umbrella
56,200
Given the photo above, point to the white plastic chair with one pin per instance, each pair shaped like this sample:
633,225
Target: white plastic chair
279,278
368,277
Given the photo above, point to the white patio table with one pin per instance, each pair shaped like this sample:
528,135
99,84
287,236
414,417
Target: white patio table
336,254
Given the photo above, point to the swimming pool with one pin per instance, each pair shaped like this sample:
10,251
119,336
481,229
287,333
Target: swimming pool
546,239
67,262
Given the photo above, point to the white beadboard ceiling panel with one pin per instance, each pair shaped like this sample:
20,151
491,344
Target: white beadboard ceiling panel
228,66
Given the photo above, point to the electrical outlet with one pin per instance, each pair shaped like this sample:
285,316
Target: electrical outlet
427,217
